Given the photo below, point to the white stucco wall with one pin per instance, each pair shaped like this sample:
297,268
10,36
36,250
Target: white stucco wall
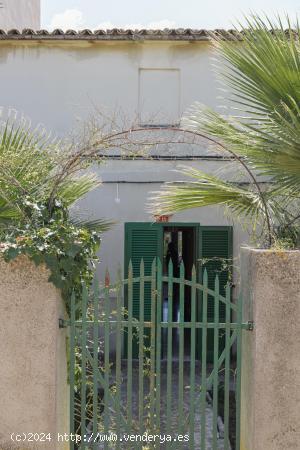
20,14
58,84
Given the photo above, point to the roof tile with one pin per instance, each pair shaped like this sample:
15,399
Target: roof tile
185,34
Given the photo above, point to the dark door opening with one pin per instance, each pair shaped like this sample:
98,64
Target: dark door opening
180,244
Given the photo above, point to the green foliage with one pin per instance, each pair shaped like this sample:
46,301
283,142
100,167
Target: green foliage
40,180
67,250
263,74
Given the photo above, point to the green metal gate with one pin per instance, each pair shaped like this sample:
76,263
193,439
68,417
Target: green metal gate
121,402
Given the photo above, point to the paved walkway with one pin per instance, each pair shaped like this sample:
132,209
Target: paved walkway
175,426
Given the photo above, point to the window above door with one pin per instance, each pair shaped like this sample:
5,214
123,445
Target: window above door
159,97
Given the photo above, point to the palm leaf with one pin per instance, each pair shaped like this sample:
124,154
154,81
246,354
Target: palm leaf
99,225
74,189
263,70
263,74
32,166
207,190
8,214
27,159
273,152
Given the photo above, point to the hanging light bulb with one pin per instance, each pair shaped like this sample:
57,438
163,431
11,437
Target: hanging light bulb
117,199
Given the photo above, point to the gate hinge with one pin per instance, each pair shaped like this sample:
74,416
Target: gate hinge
250,325
62,323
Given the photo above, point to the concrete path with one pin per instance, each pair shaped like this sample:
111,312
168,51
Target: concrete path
175,426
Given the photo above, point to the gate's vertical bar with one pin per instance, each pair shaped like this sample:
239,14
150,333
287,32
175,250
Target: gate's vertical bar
129,348
106,355
193,358
203,362
118,356
239,368
181,349
227,368
169,350
216,359
83,364
95,358
141,348
152,346
72,369
158,341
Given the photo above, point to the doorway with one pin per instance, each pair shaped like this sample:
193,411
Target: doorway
179,246
205,246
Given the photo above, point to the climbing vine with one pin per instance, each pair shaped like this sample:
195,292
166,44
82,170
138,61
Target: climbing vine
51,238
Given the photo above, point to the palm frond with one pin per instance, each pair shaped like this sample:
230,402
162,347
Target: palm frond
8,214
263,75
207,190
27,158
32,165
76,188
263,70
272,151
99,225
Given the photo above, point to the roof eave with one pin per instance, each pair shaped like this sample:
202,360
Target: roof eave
120,35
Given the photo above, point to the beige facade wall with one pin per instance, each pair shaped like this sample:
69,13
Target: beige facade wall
33,370
270,418
20,14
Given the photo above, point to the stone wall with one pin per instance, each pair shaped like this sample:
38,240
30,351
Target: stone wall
33,368
270,415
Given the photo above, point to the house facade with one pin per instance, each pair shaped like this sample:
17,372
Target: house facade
19,14
60,79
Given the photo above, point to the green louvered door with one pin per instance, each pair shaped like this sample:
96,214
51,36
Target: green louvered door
143,240
216,257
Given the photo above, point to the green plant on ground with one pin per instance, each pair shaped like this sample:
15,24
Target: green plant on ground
261,68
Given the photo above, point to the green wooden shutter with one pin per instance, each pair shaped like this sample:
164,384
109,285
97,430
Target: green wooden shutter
216,252
216,258
143,240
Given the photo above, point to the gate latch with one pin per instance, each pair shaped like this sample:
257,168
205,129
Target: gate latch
250,325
